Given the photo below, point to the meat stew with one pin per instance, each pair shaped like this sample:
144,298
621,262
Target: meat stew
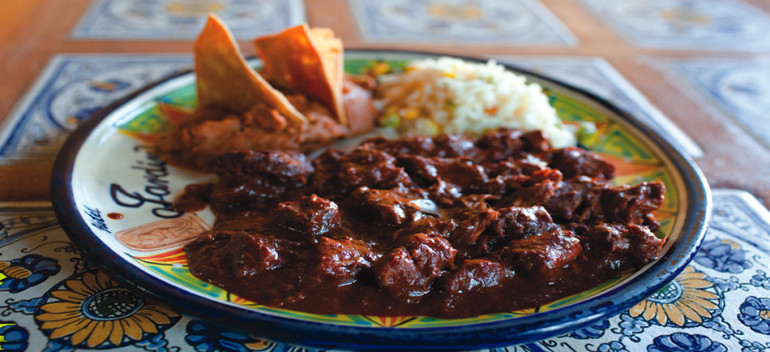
449,226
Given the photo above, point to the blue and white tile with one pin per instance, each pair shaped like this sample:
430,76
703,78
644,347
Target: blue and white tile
687,24
738,88
599,77
513,22
178,19
69,90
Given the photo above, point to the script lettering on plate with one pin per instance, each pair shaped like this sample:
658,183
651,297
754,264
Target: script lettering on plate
163,234
96,219
155,189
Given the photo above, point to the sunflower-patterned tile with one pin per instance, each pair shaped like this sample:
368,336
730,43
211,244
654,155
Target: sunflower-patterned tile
90,310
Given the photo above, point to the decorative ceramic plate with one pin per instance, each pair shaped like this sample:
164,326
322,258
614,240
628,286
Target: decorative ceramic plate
113,197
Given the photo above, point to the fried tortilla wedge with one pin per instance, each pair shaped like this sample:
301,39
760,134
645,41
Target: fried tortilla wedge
226,81
308,61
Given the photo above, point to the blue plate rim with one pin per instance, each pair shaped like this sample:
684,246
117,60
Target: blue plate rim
326,335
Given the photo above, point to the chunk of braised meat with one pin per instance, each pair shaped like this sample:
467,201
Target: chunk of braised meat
585,200
195,197
363,166
506,143
431,254
259,194
461,172
531,190
535,141
521,222
519,181
519,166
510,223
574,162
433,226
251,254
418,145
473,216
289,168
338,261
420,168
633,204
386,207
246,254
543,255
326,168
444,146
310,216
620,246
577,200
257,181
408,272
444,194
500,145
475,275
455,145
371,168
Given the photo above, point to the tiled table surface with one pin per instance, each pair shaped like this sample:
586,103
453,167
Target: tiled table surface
697,71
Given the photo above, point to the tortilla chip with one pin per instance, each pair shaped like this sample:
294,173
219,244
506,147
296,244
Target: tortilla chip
308,61
226,81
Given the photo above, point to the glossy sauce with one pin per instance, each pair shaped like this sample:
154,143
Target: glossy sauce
448,226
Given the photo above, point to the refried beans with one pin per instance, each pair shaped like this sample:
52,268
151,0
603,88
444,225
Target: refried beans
197,141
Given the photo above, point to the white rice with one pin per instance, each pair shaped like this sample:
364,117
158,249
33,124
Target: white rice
448,95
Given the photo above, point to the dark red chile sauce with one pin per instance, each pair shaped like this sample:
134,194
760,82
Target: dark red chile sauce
449,226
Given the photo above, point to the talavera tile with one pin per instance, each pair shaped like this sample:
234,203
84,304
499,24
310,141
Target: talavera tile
738,88
513,22
69,90
183,19
687,24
